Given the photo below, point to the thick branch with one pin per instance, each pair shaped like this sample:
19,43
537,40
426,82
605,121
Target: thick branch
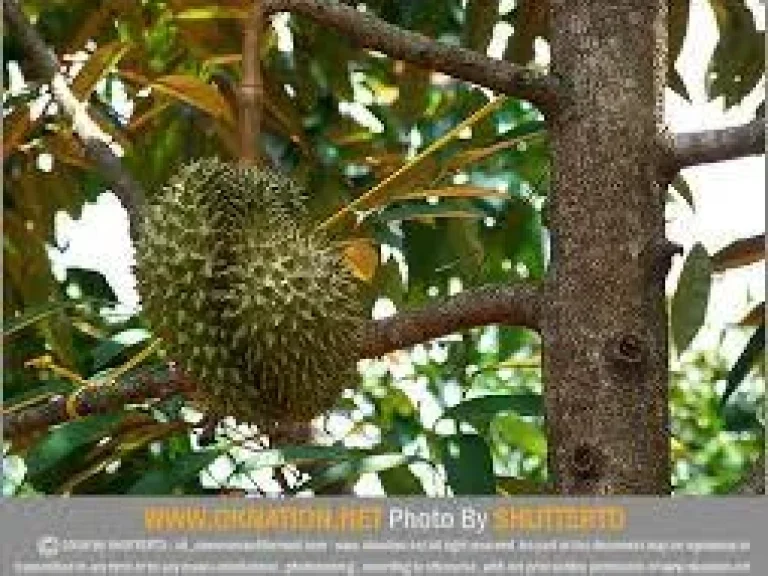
370,32
513,305
516,305
697,148
95,140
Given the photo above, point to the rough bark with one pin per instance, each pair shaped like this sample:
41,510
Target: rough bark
368,31
132,388
517,305
604,325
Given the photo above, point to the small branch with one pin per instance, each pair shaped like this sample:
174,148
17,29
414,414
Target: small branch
251,89
97,143
709,146
367,31
512,305
753,483
96,400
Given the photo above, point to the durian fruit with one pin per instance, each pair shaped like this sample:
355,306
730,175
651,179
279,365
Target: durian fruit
261,312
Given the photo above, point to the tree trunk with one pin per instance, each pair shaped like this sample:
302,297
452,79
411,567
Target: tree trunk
601,311
604,318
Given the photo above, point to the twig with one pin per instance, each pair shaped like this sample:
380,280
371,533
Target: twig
696,148
374,195
251,89
97,400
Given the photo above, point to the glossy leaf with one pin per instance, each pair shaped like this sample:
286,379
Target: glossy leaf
351,470
197,93
97,66
681,187
468,465
400,481
679,12
689,304
515,139
34,315
752,353
482,410
524,435
738,62
428,211
67,438
293,455
168,479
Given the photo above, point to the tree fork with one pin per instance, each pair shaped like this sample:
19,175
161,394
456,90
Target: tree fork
604,324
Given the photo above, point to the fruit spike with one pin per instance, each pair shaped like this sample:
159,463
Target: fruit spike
248,300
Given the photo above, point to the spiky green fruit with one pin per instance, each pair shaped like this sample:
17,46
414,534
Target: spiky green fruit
259,311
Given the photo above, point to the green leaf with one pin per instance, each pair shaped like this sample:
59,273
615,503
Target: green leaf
97,66
738,62
451,192
689,304
351,470
108,351
400,481
443,209
33,316
508,486
48,387
196,92
738,417
679,11
210,13
294,455
752,352
480,411
92,284
468,465
676,83
524,435
682,188
64,440
182,470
